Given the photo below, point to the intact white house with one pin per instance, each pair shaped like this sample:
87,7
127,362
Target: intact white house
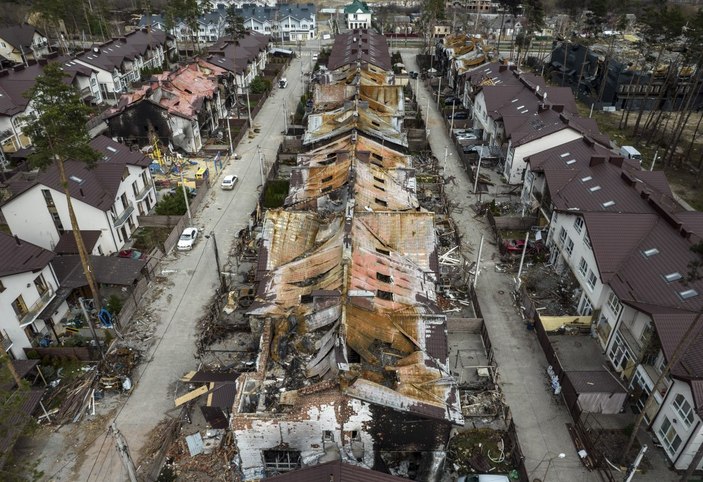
357,15
27,285
21,43
107,198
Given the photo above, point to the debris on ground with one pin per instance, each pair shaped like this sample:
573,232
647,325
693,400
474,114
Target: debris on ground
480,451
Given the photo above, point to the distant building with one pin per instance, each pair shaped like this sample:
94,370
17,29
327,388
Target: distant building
358,15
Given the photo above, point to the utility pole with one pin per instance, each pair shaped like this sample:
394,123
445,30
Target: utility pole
123,451
81,301
285,116
633,468
478,261
451,127
478,170
439,89
446,154
522,261
229,135
261,166
220,276
251,124
185,195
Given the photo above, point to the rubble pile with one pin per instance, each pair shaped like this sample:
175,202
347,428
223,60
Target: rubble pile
211,464
481,404
140,334
117,366
480,451
71,399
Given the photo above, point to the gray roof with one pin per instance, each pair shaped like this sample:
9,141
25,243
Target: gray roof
360,45
109,270
595,381
96,186
19,256
18,35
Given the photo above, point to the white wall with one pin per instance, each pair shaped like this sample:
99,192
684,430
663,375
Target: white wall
23,284
581,250
515,160
304,432
688,446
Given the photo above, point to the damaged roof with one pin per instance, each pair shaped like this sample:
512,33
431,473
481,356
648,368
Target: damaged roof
359,285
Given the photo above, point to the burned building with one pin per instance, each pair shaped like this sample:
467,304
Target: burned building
353,360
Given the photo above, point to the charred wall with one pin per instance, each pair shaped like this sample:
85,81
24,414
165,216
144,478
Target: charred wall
134,123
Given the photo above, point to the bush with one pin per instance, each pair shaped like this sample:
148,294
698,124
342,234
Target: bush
114,305
260,85
173,204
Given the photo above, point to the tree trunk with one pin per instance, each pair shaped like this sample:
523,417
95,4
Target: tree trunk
693,465
649,87
686,340
82,253
660,100
683,119
687,157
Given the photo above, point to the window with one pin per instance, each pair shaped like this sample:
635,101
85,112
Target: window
583,267
40,283
591,280
384,277
123,198
668,436
327,436
585,308
683,409
135,188
383,251
614,304
569,246
562,235
381,202
384,295
641,392
578,224
47,198
587,241
326,179
618,354
20,307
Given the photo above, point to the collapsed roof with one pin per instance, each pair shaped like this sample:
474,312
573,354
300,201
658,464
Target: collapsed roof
350,293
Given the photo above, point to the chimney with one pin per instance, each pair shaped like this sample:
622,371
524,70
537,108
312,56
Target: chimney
542,107
617,161
595,160
81,191
17,240
18,68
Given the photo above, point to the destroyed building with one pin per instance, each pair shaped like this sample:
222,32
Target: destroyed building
353,360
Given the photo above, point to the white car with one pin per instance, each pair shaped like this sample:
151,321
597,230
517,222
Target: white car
185,242
228,182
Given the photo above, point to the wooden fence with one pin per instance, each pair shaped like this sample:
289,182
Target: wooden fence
80,353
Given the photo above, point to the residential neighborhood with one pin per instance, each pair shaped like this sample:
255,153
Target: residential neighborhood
431,241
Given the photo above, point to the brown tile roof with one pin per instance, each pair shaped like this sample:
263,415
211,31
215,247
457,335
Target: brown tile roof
96,186
13,84
18,256
360,45
234,56
113,53
336,471
67,242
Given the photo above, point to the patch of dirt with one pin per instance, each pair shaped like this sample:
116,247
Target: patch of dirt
613,441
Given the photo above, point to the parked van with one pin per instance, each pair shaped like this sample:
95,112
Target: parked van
283,83
629,152
202,173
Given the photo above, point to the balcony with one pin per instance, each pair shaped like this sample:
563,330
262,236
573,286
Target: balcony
636,344
118,221
31,315
144,192
5,341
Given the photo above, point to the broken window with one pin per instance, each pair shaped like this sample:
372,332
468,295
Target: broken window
383,251
281,461
384,277
306,299
355,435
377,156
326,179
379,180
353,356
326,189
327,436
379,188
384,295
381,202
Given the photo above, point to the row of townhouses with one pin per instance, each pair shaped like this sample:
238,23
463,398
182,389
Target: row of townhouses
634,250
287,21
355,297
182,107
